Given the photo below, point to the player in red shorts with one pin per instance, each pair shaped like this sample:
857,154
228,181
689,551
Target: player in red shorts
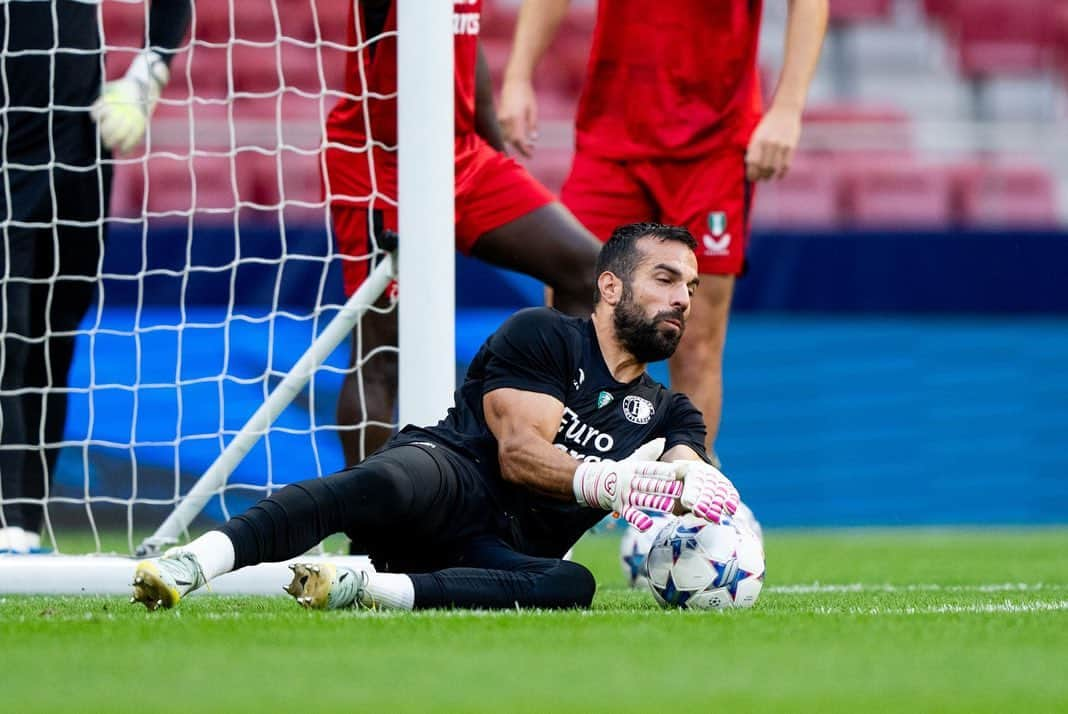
503,215
669,128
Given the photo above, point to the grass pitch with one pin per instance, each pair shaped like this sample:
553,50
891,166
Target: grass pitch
851,621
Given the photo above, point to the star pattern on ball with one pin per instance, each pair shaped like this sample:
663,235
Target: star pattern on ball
634,560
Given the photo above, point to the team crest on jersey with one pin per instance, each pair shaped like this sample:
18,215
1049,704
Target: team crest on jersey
717,241
638,410
717,222
604,399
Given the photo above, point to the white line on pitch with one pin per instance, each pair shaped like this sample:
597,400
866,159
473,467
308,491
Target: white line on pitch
916,587
977,609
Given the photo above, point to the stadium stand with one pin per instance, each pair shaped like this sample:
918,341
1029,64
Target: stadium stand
921,84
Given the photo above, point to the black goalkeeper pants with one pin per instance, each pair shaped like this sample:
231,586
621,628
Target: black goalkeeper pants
53,236
421,510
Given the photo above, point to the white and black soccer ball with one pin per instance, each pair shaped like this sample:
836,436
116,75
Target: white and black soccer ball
698,565
634,547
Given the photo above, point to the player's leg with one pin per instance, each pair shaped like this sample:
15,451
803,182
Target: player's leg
605,194
406,496
17,263
58,304
30,195
505,217
369,390
711,198
494,575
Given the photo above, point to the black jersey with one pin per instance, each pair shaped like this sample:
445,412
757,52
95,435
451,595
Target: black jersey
541,350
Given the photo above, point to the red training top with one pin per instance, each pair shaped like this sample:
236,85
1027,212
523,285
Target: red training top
672,79
379,59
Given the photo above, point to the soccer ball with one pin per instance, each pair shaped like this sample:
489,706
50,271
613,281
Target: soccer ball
635,545
698,565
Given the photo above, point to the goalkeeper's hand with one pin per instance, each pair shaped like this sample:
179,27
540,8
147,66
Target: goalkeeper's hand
125,105
706,492
628,486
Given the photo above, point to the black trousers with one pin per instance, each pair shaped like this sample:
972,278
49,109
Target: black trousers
48,274
422,510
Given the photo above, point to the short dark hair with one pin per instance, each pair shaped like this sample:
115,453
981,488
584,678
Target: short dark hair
620,255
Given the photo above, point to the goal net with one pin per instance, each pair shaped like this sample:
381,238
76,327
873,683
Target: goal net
208,366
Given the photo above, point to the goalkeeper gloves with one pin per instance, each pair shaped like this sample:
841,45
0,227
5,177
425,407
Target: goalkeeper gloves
125,105
628,486
706,491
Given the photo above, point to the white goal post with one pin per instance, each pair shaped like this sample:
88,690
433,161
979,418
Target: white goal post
254,345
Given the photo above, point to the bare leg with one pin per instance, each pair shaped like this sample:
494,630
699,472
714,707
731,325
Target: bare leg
369,392
551,245
697,366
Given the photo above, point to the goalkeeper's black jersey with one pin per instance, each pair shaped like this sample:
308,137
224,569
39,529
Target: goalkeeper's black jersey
50,73
541,350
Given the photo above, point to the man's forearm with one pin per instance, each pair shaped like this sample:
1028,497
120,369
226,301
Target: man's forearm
168,21
534,31
805,26
533,462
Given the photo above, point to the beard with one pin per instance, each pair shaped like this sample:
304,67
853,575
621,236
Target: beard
641,336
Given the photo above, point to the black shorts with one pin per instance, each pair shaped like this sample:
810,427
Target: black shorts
454,500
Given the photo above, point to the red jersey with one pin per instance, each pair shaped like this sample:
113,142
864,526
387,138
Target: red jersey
379,59
673,79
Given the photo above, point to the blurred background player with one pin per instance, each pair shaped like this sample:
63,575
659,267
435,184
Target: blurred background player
57,186
503,216
669,128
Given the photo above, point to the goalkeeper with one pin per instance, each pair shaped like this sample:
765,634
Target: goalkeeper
57,131
556,424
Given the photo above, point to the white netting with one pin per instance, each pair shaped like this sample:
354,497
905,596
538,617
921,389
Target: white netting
218,271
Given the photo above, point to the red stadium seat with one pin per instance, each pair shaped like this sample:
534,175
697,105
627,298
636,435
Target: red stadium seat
551,167
941,11
332,19
218,187
997,37
888,194
806,198
127,190
1005,195
123,24
847,11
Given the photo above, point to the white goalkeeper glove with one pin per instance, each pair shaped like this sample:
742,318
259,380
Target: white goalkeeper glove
706,492
628,486
125,105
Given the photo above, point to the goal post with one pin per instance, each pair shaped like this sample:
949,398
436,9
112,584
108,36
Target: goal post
208,369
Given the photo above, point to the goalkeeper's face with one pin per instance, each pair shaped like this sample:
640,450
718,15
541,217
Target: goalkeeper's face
651,314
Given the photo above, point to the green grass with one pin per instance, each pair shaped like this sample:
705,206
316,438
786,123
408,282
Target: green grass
853,621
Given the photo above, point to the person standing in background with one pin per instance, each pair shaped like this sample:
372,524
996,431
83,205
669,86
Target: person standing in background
58,127
670,128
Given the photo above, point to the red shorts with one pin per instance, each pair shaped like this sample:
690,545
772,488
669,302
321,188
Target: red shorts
709,195
491,190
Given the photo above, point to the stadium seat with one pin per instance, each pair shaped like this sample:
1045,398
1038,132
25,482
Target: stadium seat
997,37
218,187
849,11
333,19
806,198
123,24
940,11
1005,195
895,194
853,126
551,167
127,189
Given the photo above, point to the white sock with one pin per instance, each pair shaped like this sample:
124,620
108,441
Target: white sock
214,552
389,591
